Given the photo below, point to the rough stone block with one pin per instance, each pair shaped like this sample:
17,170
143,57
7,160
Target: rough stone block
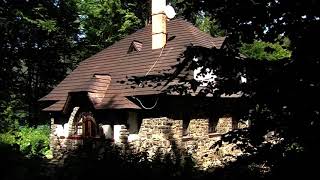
224,125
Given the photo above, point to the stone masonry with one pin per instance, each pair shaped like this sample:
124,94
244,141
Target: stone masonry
224,125
164,134
59,144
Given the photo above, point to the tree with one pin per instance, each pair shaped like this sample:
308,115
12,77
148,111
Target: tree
261,50
41,41
281,97
37,43
208,25
104,22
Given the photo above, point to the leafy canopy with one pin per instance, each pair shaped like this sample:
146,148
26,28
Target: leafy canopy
261,50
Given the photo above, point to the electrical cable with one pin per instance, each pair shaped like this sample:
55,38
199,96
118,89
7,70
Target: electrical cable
154,64
144,107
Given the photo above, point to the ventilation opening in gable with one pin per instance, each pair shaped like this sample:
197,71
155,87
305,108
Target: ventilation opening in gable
135,46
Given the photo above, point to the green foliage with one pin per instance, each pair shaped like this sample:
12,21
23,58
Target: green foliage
44,24
31,141
208,25
34,141
8,138
10,116
37,48
265,51
104,22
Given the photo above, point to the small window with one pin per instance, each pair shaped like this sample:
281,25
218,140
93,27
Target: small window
135,46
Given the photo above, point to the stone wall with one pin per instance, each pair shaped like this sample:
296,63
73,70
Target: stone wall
158,135
62,142
224,125
164,127
198,128
163,135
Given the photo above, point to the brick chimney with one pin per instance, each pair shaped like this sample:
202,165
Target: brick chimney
159,26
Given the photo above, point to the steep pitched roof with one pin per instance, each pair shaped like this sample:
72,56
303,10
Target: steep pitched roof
119,65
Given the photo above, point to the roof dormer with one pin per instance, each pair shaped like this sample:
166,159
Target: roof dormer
135,46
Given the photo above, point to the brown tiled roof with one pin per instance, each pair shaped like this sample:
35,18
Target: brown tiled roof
98,88
118,64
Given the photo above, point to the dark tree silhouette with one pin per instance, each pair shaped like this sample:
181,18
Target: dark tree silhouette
281,97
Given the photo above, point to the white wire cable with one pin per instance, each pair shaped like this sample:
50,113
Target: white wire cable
144,107
150,69
154,64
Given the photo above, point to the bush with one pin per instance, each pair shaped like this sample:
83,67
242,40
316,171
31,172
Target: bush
125,164
10,115
8,138
32,141
17,167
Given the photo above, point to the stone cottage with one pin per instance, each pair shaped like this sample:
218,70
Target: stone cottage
95,102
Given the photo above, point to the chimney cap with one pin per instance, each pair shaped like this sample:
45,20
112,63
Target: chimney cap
169,11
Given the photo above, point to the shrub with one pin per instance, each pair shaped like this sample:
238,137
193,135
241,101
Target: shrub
10,115
32,141
121,163
8,138
17,167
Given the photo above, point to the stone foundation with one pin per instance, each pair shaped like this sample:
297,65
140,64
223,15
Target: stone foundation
164,135
60,144
224,125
